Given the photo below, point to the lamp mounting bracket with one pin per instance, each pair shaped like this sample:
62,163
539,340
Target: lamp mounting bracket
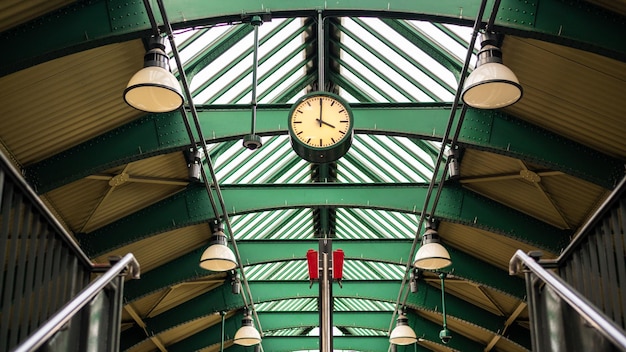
252,17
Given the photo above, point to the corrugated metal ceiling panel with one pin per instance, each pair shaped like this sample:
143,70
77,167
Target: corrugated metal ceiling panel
575,93
67,101
155,250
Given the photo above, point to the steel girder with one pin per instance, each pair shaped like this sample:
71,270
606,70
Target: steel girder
84,25
192,206
221,299
272,321
486,130
387,251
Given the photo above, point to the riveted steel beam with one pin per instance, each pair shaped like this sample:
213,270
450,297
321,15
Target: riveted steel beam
486,130
84,25
386,251
221,299
192,206
426,329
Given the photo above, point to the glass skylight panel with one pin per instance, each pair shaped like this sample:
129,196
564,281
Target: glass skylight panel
275,224
362,304
356,223
289,270
374,36
396,165
350,173
369,270
376,77
446,43
358,270
198,44
272,162
382,50
308,304
363,86
429,65
228,79
365,331
285,332
298,173
390,159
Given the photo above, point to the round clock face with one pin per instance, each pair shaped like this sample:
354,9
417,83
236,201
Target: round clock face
320,121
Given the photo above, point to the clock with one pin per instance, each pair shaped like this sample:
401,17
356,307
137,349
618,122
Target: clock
320,127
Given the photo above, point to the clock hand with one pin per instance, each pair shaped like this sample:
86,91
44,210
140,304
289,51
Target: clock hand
320,119
325,123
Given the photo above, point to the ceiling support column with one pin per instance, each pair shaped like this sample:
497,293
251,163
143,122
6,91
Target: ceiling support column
325,299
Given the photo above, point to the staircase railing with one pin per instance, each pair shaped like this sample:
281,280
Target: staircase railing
113,277
576,325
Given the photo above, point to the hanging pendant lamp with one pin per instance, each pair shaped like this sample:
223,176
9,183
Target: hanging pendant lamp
247,335
218,257
402,334
154,88
491,85
431,255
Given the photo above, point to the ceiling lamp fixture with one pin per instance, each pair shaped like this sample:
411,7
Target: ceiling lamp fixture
154,88
402,334
491,85
247,335
444,334
218,257
431,255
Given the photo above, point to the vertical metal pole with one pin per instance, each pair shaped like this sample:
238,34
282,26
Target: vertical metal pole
321,84
442,276
256,22
533,317
223,314
326,303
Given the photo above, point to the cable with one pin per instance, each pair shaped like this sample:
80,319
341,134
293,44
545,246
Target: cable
196,121
401,302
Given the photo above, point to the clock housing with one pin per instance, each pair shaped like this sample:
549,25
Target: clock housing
321,127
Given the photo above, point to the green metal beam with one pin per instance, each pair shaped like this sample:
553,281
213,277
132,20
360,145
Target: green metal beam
487,130
84,25
426,329
207,337
192,206
256,252
221,299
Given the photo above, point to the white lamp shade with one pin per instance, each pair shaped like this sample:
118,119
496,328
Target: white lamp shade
247,336
402,334
154,89
432,256
218,257
491,86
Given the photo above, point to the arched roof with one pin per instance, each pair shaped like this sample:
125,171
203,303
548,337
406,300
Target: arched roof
116,178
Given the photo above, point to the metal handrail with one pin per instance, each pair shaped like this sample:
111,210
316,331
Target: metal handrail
56,323
521,262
